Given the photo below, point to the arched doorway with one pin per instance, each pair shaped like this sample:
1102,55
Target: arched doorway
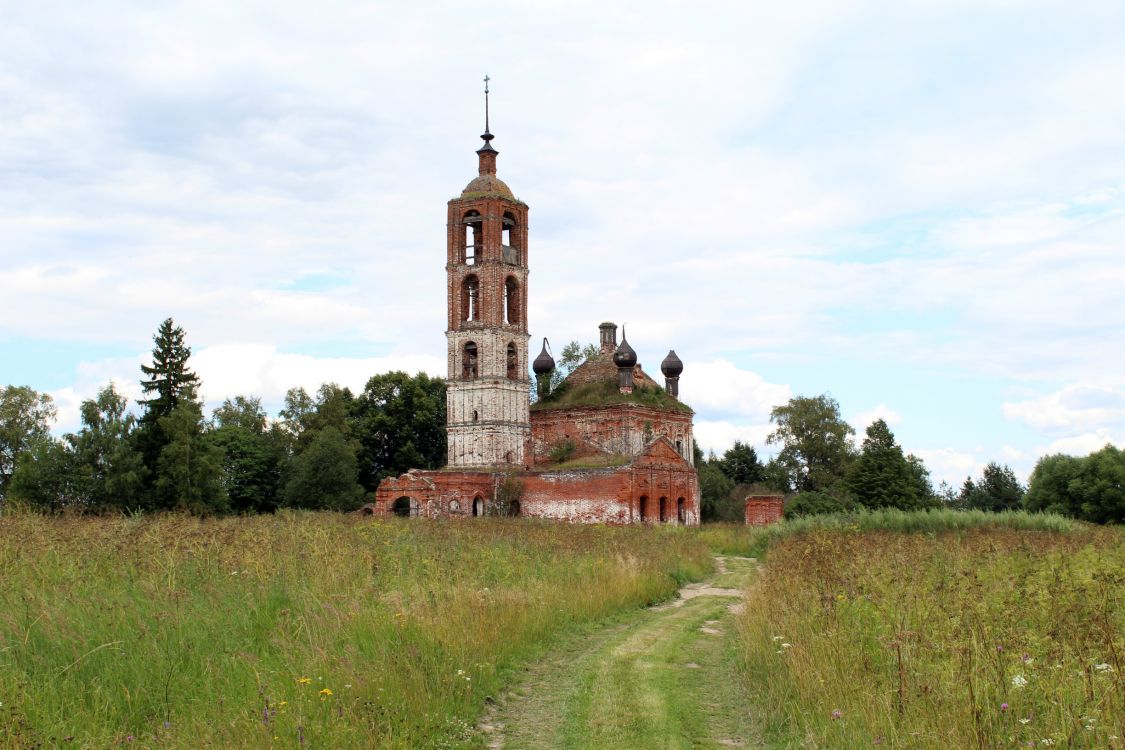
478,506
680,516
642,506
405,507
663,509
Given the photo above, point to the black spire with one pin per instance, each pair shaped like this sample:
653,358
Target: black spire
486,136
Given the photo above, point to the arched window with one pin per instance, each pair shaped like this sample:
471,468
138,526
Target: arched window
509,239
643,508
405,506
511,301
472,240
470,299
663,509
469,361
680,511
513,362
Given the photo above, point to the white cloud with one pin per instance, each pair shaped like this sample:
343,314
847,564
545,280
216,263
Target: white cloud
720,388
1084,444
1077,407
950,465
863,419
718,436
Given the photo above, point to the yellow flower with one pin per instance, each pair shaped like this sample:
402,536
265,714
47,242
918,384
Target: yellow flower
326,692
304,680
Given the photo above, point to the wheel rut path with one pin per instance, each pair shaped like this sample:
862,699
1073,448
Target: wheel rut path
665,677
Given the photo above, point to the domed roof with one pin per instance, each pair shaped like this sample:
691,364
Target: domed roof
544,363
624,356
672,365
487,184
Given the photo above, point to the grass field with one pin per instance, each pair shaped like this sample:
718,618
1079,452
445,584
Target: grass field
992,637
296,630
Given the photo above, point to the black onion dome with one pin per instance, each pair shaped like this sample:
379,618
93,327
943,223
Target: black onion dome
624,356
672,365
544,363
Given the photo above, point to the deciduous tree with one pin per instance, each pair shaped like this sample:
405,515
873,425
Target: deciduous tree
815,440
25,416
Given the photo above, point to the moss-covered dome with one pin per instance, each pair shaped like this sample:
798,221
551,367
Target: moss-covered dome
487,185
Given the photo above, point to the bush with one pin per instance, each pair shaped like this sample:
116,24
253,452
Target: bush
562,450
819,504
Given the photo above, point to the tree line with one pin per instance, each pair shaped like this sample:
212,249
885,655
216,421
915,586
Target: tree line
821,470
322,451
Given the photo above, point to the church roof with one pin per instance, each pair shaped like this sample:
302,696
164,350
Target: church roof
594,383
487,186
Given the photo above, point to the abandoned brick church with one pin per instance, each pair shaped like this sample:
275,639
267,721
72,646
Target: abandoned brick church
606,445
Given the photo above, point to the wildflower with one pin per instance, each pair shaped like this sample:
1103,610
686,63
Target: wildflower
1003,707
1026,659
1103,667
777,638
1019,681
999,649
304,680
787,645
837,714
325,694
282,703
1025,721
1046,741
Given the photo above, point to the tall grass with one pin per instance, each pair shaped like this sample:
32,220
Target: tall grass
985,638
295,630
754,541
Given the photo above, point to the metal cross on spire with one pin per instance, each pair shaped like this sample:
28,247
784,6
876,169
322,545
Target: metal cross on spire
486,80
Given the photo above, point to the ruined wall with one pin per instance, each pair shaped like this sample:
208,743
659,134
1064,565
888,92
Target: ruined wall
762,510
624,429
624,495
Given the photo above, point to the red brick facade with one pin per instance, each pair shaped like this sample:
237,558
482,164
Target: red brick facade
657,487
762,510
630,463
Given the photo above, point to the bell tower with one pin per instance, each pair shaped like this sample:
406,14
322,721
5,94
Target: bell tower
487,417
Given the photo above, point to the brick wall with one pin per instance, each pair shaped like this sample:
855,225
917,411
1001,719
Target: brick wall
762,510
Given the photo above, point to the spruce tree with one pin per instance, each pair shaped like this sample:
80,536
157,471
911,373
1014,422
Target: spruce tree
169,378
882,477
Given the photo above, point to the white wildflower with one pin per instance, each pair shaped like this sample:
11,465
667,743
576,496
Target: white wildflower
1103,667
1019,681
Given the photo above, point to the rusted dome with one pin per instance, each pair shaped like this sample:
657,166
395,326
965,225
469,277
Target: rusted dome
672,365
544,363
624,356
487,184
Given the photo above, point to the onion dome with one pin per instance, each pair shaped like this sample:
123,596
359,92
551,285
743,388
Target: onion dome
672,365
624,356
544,363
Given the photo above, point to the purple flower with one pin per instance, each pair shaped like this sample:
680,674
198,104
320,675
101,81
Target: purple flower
837,713
1003,707
999,649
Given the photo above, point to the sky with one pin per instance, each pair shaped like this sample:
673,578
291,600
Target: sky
917,207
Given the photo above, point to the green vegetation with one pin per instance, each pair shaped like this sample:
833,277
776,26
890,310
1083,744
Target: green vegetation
756,541
323,451
966,639
606,392
297,629
1091,488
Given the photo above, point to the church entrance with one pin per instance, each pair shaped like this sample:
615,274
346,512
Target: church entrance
405,507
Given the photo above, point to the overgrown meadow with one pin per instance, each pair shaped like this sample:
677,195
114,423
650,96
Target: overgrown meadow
974,638
295,630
